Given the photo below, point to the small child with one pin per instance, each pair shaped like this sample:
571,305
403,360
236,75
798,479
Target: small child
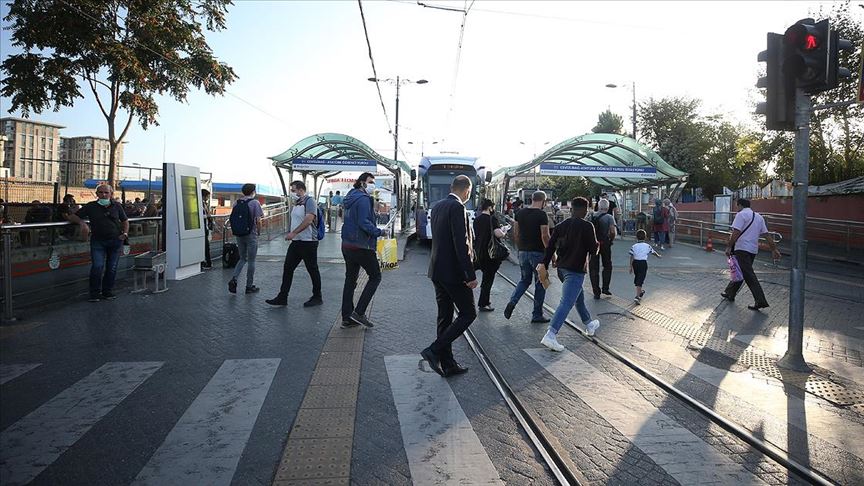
639,262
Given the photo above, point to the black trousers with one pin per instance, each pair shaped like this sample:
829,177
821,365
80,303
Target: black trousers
488,267
745,261
207,259
447,296
594,268
306,252
355,259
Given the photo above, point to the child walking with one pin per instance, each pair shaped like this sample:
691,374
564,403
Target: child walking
639,262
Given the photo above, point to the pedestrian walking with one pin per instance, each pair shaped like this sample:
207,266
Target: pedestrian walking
245,221
673,217
303,247
639,263
661,224
207,264
531,234
604,227
109,228
487,232
571,244
452,274
747,227
337,204
359,242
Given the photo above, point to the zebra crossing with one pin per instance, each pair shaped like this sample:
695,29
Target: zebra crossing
204,446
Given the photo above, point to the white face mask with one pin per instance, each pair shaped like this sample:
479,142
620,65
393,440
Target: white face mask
370,188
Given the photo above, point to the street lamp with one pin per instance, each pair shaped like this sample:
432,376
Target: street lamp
423,145
633,84
398,82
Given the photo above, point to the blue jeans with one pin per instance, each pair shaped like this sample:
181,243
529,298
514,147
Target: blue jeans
102,278
660,237
528,261
247,246
571,293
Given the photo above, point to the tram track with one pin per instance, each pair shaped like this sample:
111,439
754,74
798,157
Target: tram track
561,466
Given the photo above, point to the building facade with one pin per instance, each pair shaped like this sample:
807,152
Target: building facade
86,158
32,149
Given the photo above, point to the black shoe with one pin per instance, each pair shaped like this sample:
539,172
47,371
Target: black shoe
277,301
232,286
540,320
756,307
486,308
455,369
726,296
252,289
312,302
641,294
94,298
348,324
596,296
206,266
606,292
433,361
508,311
361,319
108,296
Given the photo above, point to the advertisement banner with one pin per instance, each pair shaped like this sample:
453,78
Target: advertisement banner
326,165
555,169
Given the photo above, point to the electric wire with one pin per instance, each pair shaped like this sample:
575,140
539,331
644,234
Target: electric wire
374,71
453,84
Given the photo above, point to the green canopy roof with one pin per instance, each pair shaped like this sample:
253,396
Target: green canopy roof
604,149
334,146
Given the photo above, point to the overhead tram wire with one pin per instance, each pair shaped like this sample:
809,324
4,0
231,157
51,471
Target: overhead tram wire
170,61
450,108
375,71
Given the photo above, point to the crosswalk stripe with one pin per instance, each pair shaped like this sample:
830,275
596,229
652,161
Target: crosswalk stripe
9,372
439,441
205,445
31,444
683,455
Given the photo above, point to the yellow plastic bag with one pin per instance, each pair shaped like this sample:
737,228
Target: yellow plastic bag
388,256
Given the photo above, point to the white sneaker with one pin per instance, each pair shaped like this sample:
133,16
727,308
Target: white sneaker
592,326
551,342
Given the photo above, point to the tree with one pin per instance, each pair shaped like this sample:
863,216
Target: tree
565,188
608,122
124,51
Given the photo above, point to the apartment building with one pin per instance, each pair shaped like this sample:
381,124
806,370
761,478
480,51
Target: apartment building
32,149
86,158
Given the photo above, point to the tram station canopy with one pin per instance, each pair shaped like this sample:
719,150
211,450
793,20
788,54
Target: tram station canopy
609,150
334,146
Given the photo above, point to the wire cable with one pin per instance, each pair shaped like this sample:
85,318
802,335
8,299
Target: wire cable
374,71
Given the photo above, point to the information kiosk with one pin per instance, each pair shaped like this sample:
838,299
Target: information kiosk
184,221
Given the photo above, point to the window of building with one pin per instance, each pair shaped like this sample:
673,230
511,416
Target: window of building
31,140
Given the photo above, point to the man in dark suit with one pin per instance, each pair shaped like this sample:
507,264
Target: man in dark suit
452,274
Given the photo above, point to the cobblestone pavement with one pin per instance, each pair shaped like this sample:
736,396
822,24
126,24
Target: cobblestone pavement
682,302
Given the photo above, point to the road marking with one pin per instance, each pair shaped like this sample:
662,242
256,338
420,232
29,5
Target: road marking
439,441
9,372
31,444
778,347
764,393
683,455
204,446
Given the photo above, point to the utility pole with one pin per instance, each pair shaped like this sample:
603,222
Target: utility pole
396,136
634,110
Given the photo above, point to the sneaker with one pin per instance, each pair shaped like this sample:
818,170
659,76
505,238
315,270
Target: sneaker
551,342
251,290
540,320
361,319
277,301
606,292
349,323
637,300
592,327
313,302
108,296
486,308
508,311
641,294
662,248
232,286
94,298
596,296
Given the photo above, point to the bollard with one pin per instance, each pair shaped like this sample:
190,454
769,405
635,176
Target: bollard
7,276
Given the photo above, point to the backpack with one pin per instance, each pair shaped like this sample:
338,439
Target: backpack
658,215
241,218
320,224
602,236
230,255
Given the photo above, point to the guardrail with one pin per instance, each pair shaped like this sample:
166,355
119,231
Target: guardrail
710,228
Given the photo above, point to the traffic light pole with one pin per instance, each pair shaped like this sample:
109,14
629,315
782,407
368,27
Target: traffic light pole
794,357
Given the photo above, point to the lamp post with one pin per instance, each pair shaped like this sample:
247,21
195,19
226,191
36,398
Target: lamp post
633,85
423,145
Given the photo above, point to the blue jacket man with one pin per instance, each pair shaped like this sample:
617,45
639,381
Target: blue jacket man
359,241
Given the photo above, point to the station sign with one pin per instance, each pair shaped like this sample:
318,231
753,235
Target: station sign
332,165
556,169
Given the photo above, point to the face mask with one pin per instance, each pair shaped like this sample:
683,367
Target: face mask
104,202
253,195
370,188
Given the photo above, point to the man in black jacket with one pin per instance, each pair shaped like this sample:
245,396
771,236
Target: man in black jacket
452,274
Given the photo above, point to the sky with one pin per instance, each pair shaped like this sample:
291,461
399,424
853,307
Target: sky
529,73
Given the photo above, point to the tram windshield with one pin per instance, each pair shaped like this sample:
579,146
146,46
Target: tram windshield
439,186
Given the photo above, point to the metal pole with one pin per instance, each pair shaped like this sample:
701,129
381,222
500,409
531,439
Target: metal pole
7,276
150,185
634,110
396,136
794,358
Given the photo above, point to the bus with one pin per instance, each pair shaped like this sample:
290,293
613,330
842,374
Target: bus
434,177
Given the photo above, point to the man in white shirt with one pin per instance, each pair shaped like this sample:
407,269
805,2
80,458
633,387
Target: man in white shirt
747,228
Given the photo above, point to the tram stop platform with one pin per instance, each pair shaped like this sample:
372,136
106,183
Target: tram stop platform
199,386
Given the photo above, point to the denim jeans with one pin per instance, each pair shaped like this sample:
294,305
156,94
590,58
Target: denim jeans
571,293
247,246
105,255
528,261
660,237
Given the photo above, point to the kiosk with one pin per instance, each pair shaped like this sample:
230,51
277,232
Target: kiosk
184,221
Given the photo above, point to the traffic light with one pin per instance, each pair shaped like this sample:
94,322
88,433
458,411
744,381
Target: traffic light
835,72
807,46
779,106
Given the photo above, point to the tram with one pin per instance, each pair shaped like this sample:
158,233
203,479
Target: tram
434,177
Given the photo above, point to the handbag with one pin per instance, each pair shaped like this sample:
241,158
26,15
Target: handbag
497,251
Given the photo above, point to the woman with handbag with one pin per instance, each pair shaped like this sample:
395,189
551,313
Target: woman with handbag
488,250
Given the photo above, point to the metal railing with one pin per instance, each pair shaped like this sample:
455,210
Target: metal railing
710,228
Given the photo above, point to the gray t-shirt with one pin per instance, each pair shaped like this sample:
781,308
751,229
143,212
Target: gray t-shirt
298,213
602,222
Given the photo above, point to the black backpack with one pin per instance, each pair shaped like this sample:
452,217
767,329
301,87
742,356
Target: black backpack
241,218
658,215
230,255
